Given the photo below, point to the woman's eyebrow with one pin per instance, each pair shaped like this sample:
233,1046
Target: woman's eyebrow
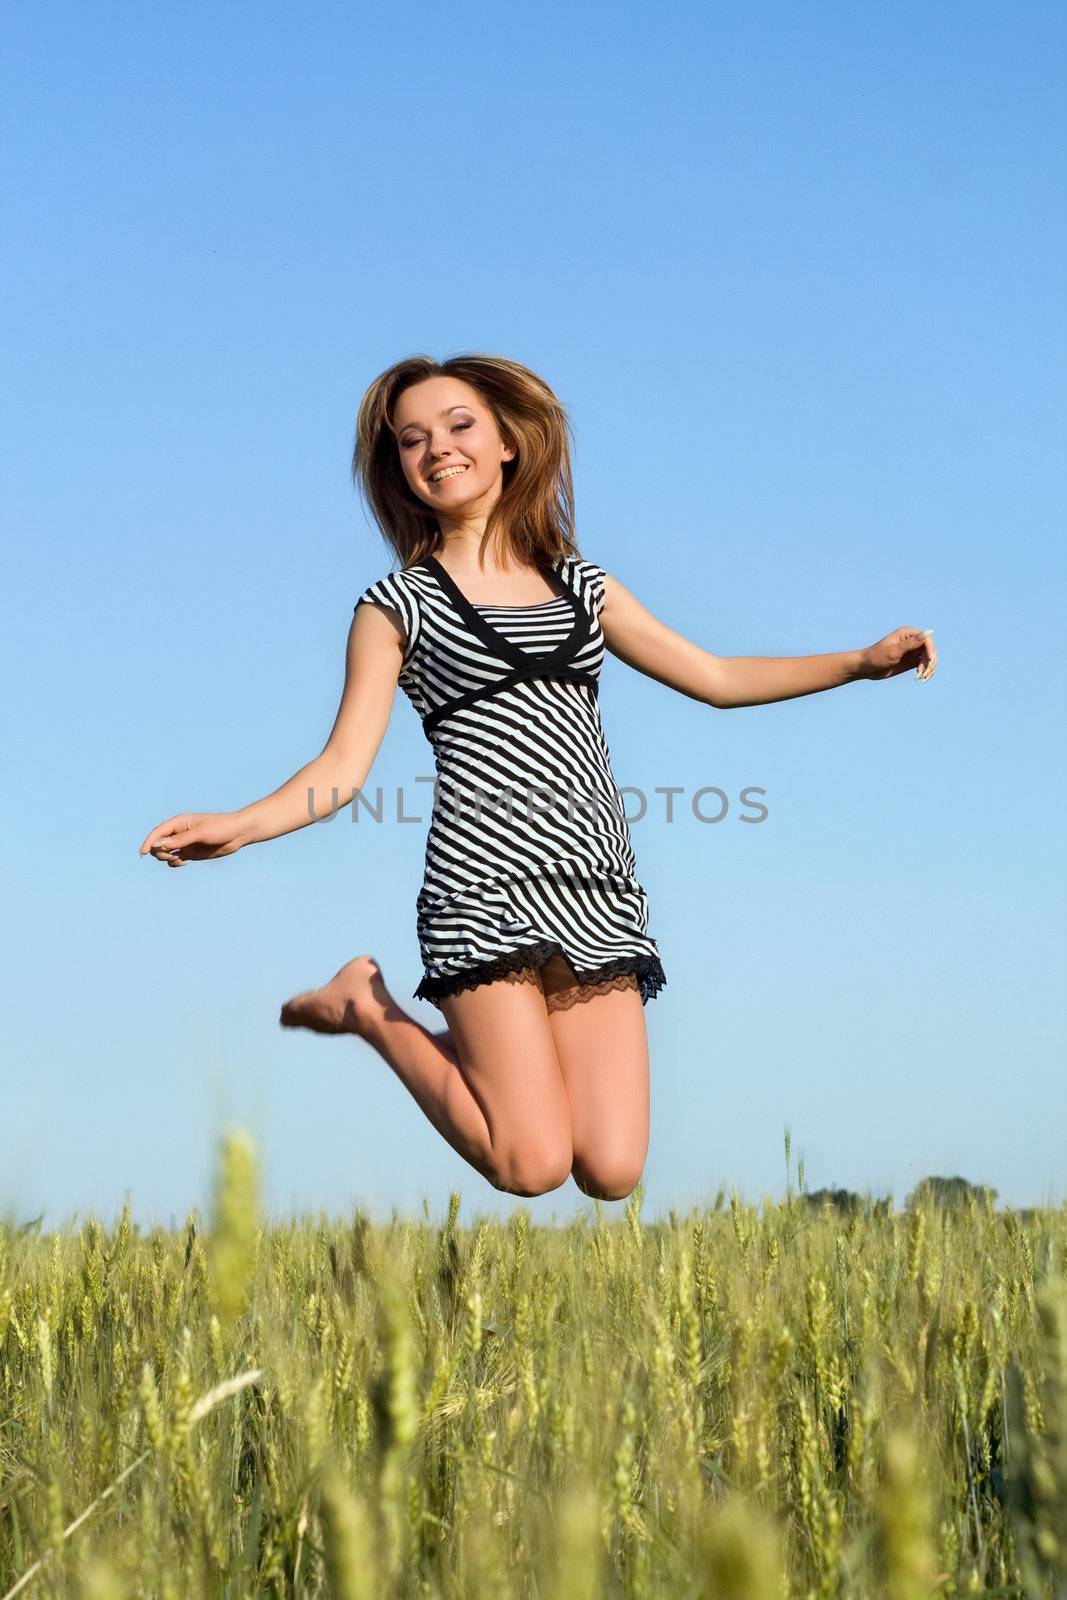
440,414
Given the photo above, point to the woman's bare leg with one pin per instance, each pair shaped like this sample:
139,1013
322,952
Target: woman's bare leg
490,1084
602,1046
504,1043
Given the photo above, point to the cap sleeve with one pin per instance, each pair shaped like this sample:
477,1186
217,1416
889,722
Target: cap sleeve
393,595
593,579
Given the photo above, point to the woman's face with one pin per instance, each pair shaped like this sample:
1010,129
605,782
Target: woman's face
450,447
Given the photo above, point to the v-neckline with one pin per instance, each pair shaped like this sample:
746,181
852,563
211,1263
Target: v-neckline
499,642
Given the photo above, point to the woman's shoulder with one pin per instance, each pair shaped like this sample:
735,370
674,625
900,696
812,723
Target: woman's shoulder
588,575
402,583
583,564
398,592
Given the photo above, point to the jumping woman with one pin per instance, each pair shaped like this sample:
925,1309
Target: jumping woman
532,926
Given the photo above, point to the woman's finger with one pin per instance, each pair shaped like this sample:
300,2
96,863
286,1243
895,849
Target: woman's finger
165,831
172,846
160,831
177,837
922,638
164,852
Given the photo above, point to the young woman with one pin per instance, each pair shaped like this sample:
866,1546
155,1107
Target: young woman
532,926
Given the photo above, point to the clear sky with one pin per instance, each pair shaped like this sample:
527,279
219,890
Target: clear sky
797,272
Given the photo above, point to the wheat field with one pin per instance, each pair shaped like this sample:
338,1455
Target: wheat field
799,1400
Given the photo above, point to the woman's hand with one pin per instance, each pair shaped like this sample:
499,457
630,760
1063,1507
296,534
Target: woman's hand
195,836
899,652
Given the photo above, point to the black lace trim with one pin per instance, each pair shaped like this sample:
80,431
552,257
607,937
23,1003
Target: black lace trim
647,969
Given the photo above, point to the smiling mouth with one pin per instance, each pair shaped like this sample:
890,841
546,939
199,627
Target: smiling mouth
446,473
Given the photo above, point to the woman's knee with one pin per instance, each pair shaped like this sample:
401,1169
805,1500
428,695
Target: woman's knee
527,1170
607,1180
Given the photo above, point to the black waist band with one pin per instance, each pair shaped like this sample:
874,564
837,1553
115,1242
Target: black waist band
521,674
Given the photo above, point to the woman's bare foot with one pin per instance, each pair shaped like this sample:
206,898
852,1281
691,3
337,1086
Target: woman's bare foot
343,1004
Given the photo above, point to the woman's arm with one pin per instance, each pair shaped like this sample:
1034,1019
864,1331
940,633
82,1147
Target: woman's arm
372,666
644,642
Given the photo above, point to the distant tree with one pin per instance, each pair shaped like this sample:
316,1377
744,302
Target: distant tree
840,1199
948,1193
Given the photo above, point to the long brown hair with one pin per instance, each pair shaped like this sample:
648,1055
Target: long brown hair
534,516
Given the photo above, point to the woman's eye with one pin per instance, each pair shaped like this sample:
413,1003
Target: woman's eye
415,438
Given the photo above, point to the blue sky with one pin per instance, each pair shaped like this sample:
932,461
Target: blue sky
797,273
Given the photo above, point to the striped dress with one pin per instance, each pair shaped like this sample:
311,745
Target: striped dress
528,853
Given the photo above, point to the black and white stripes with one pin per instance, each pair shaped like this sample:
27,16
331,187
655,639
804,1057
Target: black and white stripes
528,852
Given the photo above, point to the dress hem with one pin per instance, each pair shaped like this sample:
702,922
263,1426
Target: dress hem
647,969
